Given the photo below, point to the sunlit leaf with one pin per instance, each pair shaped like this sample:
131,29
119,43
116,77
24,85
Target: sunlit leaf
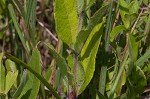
66,20
10,80
11,66
88,54
134,7
93,21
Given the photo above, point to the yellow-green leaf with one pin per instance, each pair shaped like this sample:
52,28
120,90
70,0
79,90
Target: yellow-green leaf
66,20
2,75
88,54
10,80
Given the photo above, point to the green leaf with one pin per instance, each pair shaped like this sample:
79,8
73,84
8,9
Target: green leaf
146,2
129,19
60,61
136,83
88,54
21,85
17,27
124,9
116,31
123,4
80,75
143,58
133,48
71,62
134,7
100,96
2,75
80,5
90,3
31,6
44,81
32,85
10,65
94,20
2,6
66,20
10,80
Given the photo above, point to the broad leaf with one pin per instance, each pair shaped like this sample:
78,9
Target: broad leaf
124,9
10,80
66,20
2,75
11,66
123,4
80,5
136,83
134,7
88,54
32,85
84,34
116,31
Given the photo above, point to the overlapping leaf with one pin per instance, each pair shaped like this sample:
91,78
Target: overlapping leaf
94,20
88,54
32,85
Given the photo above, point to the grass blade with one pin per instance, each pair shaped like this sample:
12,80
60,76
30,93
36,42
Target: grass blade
14,19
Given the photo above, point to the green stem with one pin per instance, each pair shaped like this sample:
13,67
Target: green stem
43,80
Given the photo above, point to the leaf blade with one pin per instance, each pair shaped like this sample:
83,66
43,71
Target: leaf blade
66,20
32,85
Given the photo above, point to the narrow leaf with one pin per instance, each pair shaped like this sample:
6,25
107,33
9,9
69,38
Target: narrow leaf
30,9
14,19
143,58
2,75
